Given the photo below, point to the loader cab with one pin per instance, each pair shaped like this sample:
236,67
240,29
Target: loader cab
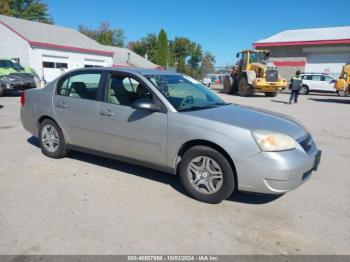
247,57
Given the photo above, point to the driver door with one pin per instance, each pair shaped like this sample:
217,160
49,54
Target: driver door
132,133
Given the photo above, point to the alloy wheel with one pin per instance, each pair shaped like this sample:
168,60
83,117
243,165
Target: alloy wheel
50,138
205,175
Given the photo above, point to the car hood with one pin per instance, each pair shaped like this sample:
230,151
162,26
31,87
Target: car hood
252,118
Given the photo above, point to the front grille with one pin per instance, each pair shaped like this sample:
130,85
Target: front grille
306,143
271,75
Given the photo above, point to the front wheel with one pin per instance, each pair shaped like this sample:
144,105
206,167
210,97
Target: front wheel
206,175
2,90
51,139
341,93
244,88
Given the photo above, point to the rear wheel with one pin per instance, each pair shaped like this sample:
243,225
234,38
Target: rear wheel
244,88
341,93
51,139
304,90
2,90
271,94
206,174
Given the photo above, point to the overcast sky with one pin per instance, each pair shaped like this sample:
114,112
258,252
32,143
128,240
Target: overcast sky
222,26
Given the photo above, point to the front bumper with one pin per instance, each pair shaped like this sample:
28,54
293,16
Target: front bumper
278,172
260,85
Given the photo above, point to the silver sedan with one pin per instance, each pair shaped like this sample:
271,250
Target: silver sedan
172,123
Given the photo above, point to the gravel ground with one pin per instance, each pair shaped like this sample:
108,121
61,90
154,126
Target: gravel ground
85,204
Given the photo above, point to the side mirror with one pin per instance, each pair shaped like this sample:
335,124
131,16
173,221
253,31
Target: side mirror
333,81
146,104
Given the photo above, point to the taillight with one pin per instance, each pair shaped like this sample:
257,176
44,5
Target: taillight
23,98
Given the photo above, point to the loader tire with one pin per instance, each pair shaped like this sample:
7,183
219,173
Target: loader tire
244,88
228,85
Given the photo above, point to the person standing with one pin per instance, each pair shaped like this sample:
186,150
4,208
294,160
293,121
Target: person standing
295,86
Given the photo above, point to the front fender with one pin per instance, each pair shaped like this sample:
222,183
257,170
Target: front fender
251,75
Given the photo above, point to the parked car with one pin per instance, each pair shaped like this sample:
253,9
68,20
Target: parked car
313,82
14,77
206,81
172,123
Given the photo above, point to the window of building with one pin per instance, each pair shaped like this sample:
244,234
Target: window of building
61,65
48,64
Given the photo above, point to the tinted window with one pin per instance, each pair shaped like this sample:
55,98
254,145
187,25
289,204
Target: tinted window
316,78
328,79
124,91
81,86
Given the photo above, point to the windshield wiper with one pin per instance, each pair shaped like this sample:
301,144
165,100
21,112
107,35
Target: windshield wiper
200,107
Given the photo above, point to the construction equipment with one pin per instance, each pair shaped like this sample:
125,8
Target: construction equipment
253,74
342,85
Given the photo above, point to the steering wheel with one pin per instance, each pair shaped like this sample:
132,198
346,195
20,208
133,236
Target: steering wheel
188,100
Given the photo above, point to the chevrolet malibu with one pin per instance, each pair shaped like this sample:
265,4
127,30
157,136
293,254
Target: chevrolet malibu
170,122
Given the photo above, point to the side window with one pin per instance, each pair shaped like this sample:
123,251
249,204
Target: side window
309,77
328,79
316,78
80,86
124,91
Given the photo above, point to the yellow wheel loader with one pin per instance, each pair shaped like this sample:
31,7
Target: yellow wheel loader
342,85
253,74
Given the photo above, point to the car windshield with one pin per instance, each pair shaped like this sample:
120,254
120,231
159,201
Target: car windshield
10,64
258,57
185,93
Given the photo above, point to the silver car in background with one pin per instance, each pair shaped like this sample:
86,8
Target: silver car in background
172,123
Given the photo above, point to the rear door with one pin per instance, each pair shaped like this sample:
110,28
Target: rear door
328,83
132,133
76,105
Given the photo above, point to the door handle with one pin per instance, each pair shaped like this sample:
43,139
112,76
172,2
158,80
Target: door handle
106,112
61,105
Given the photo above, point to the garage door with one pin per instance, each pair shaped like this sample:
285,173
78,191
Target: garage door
326,63
53,67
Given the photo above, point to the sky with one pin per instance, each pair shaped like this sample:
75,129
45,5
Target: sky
222,27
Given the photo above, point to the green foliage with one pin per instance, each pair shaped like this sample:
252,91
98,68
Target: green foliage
33,10
146,47
182,53
162,54
104,34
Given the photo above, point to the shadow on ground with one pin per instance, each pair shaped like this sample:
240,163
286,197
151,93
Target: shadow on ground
154,175
280,101
1,106
331,100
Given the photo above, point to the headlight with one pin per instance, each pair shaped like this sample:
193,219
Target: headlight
271,141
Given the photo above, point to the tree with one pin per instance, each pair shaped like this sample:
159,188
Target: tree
5,8
146,47
196,56
162,50
104,34
208,63
33,10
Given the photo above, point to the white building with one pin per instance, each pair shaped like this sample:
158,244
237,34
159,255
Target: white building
321,50
52,50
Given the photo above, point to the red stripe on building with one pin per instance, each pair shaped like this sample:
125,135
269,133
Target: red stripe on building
288,63
70,48
296,43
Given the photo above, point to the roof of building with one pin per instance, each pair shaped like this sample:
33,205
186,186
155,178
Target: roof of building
124,57
314,36
52,36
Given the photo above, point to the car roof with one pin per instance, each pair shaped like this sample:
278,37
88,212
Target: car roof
142,71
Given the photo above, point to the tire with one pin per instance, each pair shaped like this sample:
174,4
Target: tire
244,88
220,189
2,91
228,89
59,147
271,94
341,93
304,90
